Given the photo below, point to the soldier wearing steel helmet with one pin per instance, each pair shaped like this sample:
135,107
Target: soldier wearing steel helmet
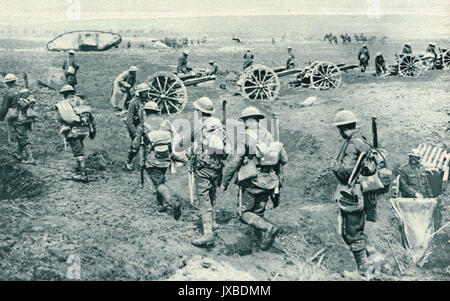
353,214
122,87
159,157
71,68
259,182
77,123
182,67
413,178
14,109
135,121
208,152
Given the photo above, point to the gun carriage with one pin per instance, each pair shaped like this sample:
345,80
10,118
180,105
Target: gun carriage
259,82
169,91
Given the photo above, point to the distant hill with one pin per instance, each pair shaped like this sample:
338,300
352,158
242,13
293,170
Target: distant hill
395,26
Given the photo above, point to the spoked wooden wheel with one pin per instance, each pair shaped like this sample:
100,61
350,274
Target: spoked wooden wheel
259,82
325,75
410,65
168,91
446,59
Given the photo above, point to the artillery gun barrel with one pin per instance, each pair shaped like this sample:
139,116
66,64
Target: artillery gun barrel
195,81
289,72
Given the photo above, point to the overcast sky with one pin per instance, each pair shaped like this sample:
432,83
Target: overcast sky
43,11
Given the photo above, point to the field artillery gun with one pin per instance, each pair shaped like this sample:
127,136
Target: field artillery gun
413,65
169,91
261,82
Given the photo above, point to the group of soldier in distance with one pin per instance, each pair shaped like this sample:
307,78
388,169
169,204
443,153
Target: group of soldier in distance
257,158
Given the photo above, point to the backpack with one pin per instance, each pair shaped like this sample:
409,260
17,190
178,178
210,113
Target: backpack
209,146
161,144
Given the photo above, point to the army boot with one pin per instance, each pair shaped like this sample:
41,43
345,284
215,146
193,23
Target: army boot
29,155
207,240
129,164
82,168
362,263
269,237
269,231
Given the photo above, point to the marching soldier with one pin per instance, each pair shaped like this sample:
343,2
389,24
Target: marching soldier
159,159
18,112
257,174
182,67
70,69
354,208
290,63
135,123
407,49
123,85
413,178
9,102
364,57
248,59
380,65
77,122
208,154
22,124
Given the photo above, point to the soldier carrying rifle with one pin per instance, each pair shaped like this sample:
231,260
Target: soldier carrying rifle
159,156
209,150
77,122
257,167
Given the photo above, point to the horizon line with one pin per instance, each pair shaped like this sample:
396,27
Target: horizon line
190,16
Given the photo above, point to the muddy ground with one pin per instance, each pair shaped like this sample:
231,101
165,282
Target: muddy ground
112,225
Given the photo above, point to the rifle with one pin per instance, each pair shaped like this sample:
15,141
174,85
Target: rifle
142,161
25,79
275,196
375,132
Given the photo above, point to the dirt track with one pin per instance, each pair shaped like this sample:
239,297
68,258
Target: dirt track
113,225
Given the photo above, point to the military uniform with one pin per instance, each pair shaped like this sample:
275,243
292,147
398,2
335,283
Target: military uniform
207,168
380,65
182,65
248,60
352,226
406,49
290,63
80,125
121,94
363,57
413,179
71,77
158,160
256,190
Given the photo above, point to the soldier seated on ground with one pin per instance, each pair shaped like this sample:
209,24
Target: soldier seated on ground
413,178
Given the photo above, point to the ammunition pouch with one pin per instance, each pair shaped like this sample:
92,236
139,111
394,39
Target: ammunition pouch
349,199
248,170
371,183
